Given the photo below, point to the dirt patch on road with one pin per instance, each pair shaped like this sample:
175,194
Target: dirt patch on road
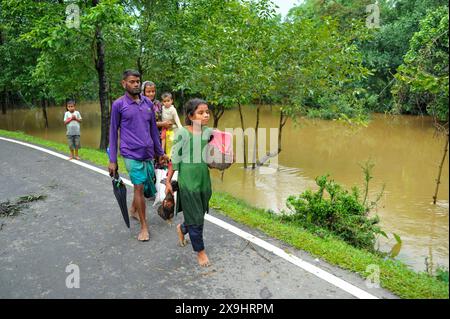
11,209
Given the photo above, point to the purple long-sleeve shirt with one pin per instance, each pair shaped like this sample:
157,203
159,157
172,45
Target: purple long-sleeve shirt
139,135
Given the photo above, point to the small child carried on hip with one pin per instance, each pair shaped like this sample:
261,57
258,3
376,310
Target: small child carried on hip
169,113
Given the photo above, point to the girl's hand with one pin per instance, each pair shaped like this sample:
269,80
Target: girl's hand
169,188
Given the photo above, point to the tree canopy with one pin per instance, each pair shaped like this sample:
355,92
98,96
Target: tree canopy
321,60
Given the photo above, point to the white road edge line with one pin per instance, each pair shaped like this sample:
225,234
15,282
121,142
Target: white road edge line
342,284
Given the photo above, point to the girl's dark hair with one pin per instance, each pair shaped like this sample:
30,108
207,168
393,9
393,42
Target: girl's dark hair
190,107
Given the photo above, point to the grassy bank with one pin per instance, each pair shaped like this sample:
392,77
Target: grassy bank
395,276
87,154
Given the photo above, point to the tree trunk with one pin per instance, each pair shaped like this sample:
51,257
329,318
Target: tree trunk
217,114
102,81
183,101
255,149
243,129
110,98
139,65
269,155
3,96
438,180
44,111
3,100
282,123
7,99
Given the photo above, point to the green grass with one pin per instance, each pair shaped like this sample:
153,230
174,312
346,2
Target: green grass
88,154
394,275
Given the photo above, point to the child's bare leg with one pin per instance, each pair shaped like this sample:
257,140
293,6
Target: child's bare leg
71,154
76,154
202,258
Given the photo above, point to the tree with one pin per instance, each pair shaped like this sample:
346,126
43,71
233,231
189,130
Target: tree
382,48
318,70
161,40
214,50
17,59
422,81
72,62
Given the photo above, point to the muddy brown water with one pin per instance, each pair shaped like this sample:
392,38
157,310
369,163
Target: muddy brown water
405,150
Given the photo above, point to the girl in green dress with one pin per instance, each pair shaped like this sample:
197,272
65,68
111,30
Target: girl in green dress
193,176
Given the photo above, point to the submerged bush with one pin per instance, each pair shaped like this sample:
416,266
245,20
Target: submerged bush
442,274
340,212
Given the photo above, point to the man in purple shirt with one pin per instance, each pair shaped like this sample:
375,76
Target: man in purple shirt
133,115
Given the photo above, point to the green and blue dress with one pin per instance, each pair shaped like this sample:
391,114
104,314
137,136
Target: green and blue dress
193,174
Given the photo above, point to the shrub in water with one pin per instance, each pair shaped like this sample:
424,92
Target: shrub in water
338,211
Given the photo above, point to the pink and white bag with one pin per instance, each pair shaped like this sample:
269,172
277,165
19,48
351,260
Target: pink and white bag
219,152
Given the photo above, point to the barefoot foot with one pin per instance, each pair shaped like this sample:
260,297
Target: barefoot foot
181,240
144,235
77,158
203,260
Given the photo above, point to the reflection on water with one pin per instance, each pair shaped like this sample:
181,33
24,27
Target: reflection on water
404,149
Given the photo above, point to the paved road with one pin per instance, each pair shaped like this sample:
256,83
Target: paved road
79,222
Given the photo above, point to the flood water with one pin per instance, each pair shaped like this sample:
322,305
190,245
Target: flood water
404,149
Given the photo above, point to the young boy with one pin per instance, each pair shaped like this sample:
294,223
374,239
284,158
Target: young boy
72,120
169,113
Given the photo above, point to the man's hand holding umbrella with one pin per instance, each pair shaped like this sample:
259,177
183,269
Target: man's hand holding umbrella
120,192
112,168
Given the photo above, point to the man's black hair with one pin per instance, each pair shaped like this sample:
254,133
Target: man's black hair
128,73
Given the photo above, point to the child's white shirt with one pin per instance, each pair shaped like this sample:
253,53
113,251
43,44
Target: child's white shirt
171,114
73,128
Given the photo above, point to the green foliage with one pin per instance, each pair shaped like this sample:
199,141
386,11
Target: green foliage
322,61
442,274
318,69
235,52
218,50
422,80
63,59
338,211
382,48
17,58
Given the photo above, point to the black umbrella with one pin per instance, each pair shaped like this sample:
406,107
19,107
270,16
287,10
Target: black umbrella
120,191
